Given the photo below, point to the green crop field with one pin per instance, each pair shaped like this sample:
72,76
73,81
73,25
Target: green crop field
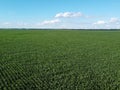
59,60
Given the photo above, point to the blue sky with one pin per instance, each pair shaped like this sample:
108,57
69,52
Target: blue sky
59,14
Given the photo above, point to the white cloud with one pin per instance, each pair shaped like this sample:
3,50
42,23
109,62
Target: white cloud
70,23
68,15
110,21
114,20
100,22
6,23
22,24
48,22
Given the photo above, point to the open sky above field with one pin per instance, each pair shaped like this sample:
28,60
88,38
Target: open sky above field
76,14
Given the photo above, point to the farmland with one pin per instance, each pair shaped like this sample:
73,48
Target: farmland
59,60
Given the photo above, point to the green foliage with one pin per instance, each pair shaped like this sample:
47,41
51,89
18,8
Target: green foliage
59,60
